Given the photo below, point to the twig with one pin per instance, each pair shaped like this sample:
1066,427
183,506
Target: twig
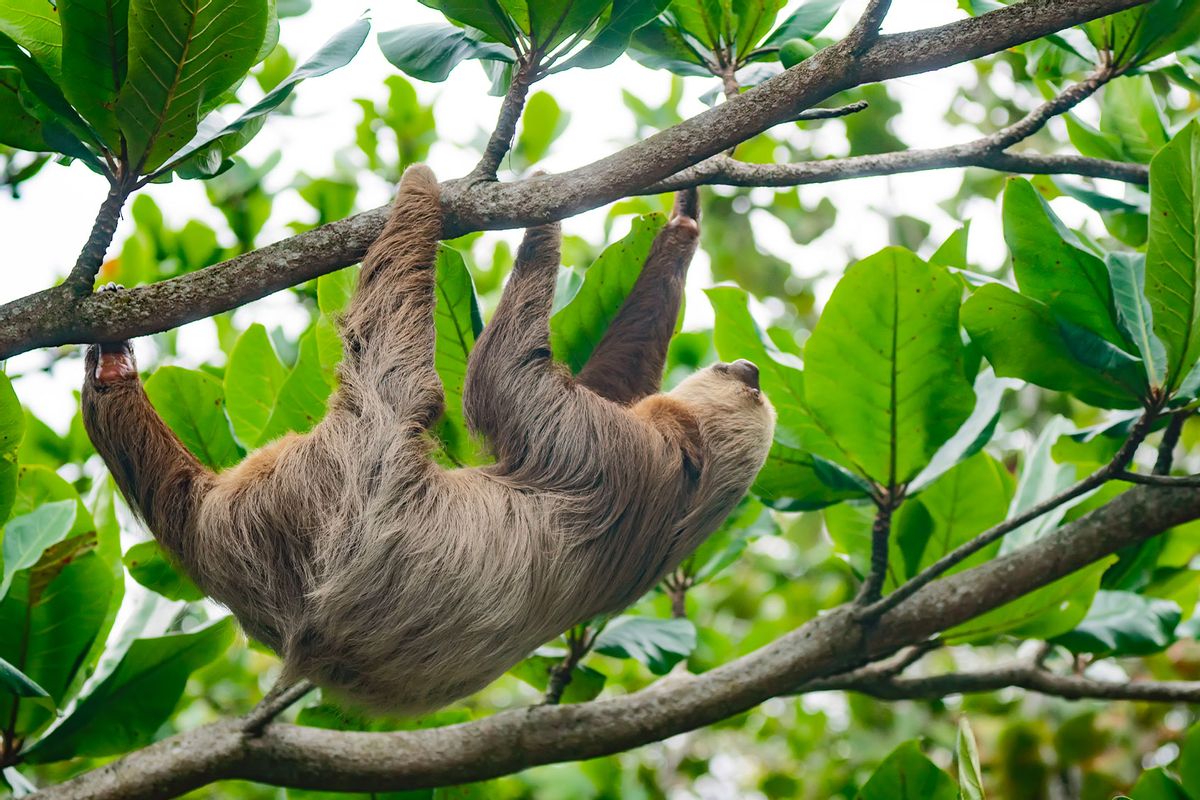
881,530
831,113
579,643
990,151
1158,480
506,124
1109,471
866,30
273,704
1170,438
82,277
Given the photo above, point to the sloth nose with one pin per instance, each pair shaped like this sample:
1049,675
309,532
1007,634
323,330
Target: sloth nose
745,371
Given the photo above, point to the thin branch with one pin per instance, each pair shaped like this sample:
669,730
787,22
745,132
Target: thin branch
866,30
501,139
82,277
1158,480
274,703
881,529
53,317
1170,438
579,643
1113,469
831,113
990,151
288,755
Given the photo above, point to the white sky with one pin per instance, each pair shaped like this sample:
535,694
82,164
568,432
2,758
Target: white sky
44,230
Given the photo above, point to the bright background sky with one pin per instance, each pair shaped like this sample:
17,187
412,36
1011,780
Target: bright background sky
44,230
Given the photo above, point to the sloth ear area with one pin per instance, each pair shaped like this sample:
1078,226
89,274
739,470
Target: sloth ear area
679,426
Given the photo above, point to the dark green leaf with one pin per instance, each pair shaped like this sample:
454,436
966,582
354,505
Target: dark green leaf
222,141
884,366
663,46
907,774
95,53
1156,784
490,16
789,481
125,709
580,325
1127,274
1189,762
974,434
613,38
173,73
457,323
192,403
1124,624
15,682
658,643
429,52
805,22
1173,252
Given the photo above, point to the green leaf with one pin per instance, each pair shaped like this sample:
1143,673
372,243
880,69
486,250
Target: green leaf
15,682
149,566
95,53
1105,358
1173,251
660,644
217,142
457,322
970,777
1042,614
430,52
789,481
334,290
552,22
1041,478
664,46
805,22
183,54
953,251
1127,274
253,380
1051,266
302,397
34,25
613,37
490,16
125,709
1130,114
580,325
907,774
1022,339
884,366
12,429
27,536
541,123
974,434
586,683
1156,784
1124,624
192,403
750,520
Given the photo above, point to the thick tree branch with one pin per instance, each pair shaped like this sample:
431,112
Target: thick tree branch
54,316
832,643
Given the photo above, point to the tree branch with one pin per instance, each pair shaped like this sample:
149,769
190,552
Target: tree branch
501,139
54,316
989,152
287,755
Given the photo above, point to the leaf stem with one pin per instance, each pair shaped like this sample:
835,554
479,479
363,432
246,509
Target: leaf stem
506,124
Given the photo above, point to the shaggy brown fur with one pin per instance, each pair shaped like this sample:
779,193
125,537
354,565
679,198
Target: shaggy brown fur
401,585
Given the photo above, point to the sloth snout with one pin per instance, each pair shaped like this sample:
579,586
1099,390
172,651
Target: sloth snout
745,371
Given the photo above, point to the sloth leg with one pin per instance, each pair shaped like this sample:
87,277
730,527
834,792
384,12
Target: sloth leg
388,328
627,364
511,379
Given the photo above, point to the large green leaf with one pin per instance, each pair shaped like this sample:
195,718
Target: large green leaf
1173,251
974,434
27,536
884,366
490,16
12,429
791,481
907,774
95,40
34,25
51,616
1124,624
661,45
552,22
149,566
1127,274
432,50
193,404
1189,762
215,142
1156,784
1022,339
127,707
578,327
182,55
809,19
1051,266
457,322
302,397
613,37
253,379
1130,114
970,777
658,643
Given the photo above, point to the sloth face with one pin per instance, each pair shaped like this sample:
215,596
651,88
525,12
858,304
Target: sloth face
736,419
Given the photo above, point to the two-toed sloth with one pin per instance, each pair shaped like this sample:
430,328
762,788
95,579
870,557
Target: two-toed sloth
399,584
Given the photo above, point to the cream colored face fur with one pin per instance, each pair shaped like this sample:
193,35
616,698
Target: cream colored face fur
397,584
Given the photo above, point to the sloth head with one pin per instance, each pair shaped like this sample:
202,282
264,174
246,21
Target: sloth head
736,422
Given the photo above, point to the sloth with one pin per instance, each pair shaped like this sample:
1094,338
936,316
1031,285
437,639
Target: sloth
397,584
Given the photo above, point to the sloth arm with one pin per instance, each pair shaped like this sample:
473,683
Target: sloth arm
627,364
388,371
